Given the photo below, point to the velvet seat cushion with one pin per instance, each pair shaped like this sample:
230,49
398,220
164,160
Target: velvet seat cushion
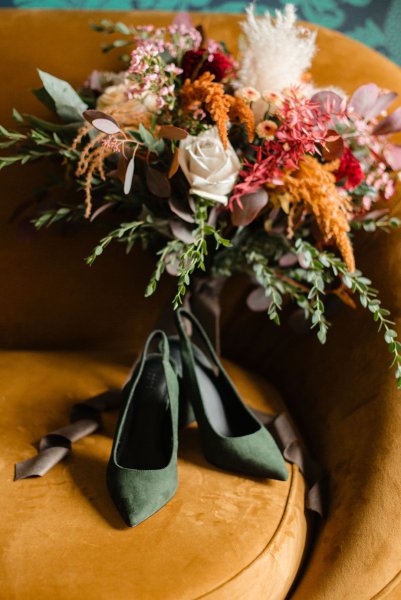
222,535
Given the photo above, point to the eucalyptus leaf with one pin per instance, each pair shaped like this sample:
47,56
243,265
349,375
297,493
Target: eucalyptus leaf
146,136
158,184
129,175
44,97
69,105
102,121
49,126
17,116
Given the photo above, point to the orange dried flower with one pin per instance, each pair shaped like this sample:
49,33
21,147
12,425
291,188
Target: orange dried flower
93,155
240,111
220,106
313,185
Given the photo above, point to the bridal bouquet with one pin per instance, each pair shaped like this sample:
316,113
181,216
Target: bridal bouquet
225,166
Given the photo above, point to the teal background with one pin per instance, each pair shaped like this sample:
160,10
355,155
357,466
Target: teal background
377,23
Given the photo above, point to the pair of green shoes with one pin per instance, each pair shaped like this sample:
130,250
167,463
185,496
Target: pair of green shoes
165,387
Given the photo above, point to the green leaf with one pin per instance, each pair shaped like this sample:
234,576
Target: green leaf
68,103
364,301
122,28
347,281
49,126
322,335
17,116
44,97
390,335
5,161
116,44
146,136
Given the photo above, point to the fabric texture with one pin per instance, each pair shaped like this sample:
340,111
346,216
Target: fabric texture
68,332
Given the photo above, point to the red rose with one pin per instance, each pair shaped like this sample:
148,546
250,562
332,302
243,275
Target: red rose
350,169
200,61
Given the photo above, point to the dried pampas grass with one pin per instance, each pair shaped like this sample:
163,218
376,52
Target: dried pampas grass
274,51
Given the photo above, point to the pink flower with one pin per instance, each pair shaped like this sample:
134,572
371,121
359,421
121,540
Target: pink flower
303,129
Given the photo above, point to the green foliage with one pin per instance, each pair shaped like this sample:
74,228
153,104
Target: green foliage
368,296
107,26
153,144
384,223
11,137
49,217
33,144
189,257
127,233
68,103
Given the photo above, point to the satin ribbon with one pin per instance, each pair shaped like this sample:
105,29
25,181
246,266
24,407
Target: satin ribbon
295,452
85,419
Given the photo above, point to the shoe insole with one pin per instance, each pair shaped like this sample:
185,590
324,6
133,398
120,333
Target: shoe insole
146,440
225,412
213,404
223,408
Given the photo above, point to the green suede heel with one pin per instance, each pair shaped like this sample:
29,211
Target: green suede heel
142,470
232,437
186,414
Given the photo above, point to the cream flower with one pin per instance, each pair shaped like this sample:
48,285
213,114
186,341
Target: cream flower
248,94
210,169
112,95
274,101
266,129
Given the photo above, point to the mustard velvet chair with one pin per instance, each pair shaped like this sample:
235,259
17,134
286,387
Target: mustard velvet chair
68,332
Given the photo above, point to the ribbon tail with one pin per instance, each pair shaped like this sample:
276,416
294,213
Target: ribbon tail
56,445
42,463
294,452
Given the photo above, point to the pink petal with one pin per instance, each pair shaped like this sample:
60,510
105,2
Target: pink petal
328,101
392,154
364,99
390,124
382,103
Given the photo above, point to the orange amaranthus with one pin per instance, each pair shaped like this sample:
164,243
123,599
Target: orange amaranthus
222,107
93,155
314,186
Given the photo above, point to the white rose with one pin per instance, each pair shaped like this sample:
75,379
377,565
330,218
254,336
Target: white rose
210,168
